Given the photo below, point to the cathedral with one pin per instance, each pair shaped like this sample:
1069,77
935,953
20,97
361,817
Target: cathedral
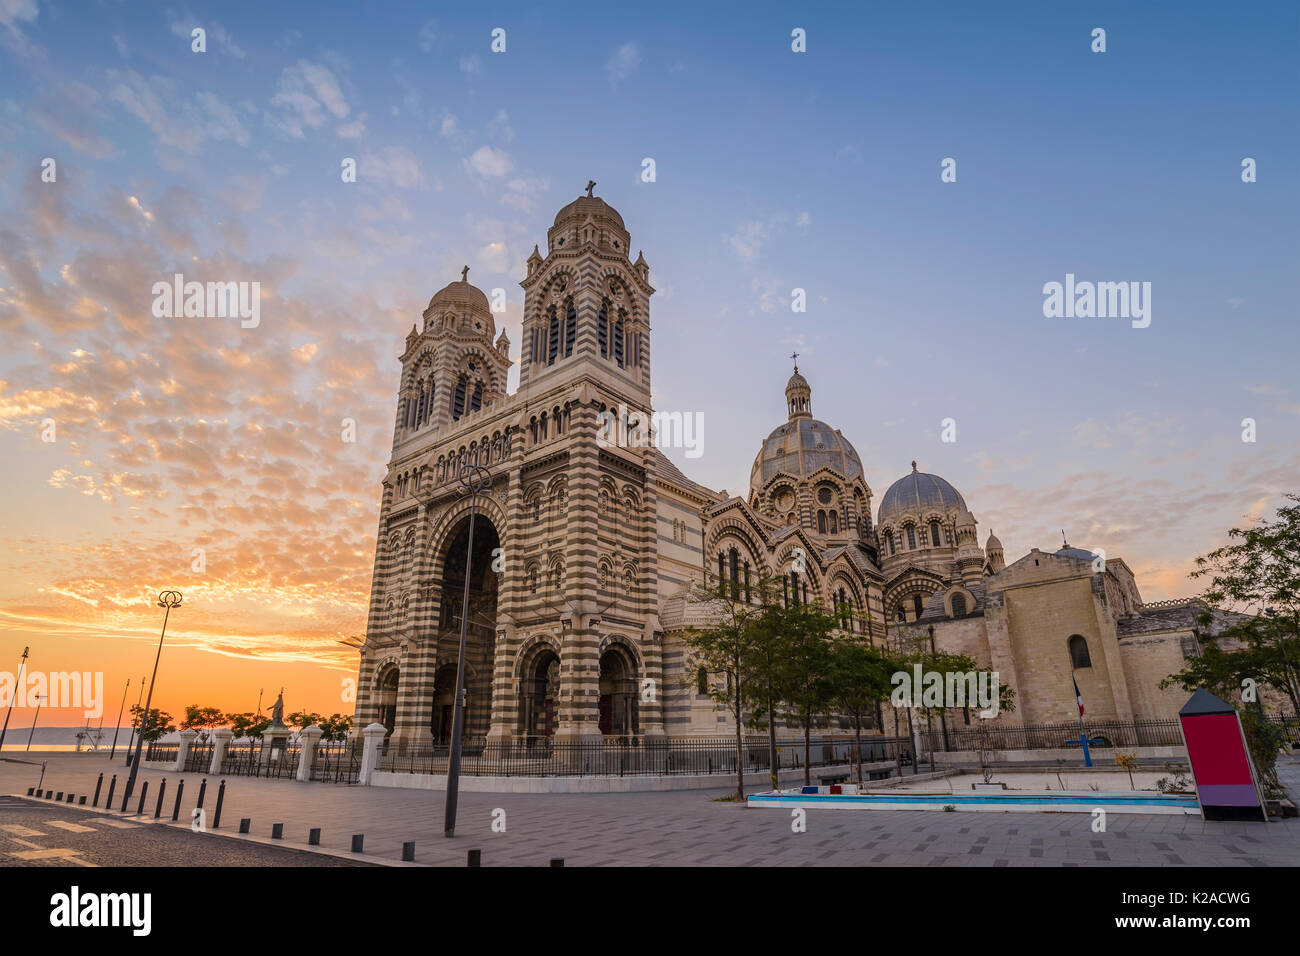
584,550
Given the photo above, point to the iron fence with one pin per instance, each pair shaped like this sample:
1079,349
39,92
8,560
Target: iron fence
1101,734
1290,727
631,756
199,757
337,761
161,752
259,759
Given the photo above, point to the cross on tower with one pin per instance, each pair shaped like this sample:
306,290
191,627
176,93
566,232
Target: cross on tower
795,357
591,184
464,274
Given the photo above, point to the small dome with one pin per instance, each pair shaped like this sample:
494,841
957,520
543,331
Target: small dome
919,492
993,544
592,206
460,294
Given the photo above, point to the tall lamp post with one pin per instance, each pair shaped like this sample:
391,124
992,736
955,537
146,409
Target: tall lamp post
34,719
473,481
168,600
130,741
118,725
17,687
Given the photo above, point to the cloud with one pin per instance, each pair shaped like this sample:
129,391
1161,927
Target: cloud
523,192
747,240
489,162
623,62
428,35
471,65
307,92
392,166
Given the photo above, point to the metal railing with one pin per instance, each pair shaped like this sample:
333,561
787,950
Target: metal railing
161,752
1101,734
631,756
337,761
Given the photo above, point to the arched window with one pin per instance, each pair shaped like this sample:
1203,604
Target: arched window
419,414
618,339
821,522
733,558
935,539
458,399
911,537
889,538
476,400
917,604
835,523
701,681
570,328
794,587
749,595
959,605
1079,656
902,615
602,328
553,343
722,574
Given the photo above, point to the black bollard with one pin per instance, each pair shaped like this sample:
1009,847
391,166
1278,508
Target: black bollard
144,792
245,824
111,785
126,794
221,796
557,862
98,783
49,794
162,789
60,796
475,858
358,839
203,788
313,838
40,793
277,831
81,800
71,797
30,791
408,852
180,789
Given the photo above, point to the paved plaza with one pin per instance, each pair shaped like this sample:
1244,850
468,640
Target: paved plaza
663,828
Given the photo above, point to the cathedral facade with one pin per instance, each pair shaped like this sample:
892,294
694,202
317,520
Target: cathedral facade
584,550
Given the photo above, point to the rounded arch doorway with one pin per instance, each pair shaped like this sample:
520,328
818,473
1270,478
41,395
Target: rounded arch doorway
618,701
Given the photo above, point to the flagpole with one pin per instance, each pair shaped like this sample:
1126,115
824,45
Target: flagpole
1083,735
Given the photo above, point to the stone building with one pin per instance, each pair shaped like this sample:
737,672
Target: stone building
584,548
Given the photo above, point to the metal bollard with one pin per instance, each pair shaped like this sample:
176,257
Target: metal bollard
313,838
162,790
111,785
557,862
221,796
277,831
71,797
30,791
49,794
358,839
408,852
40,793
81,800
203,788
60,796
180,789
245,824
144,792
475,858
98,783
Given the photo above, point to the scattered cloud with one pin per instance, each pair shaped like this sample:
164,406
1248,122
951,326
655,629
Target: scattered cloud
623,62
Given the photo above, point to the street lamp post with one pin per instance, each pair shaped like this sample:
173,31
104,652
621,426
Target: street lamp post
130,741
168,600
18,684
473,481
118,725
34,719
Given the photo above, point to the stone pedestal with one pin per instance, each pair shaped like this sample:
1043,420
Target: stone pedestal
274,742
374,742
183,751
221,738
310,737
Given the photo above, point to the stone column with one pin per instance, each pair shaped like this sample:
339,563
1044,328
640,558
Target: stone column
310,738
221,738
187,739
374,742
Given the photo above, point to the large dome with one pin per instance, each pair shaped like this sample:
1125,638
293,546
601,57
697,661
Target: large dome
457,294
917,493
592,206
800,447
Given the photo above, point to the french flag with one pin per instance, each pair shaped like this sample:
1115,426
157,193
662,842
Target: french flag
1078,698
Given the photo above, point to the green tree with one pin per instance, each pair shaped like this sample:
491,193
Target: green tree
154,725
804,673
726,647
248,725
859,679
334,727
304,719
202,719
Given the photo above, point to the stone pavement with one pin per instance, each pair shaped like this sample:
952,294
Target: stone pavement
692,827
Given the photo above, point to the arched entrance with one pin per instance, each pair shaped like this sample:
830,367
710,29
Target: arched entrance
386,697
480,636
539,689
618,692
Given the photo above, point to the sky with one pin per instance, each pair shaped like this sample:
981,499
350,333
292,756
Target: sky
200,455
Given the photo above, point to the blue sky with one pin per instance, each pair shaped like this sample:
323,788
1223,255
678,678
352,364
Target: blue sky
775,170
